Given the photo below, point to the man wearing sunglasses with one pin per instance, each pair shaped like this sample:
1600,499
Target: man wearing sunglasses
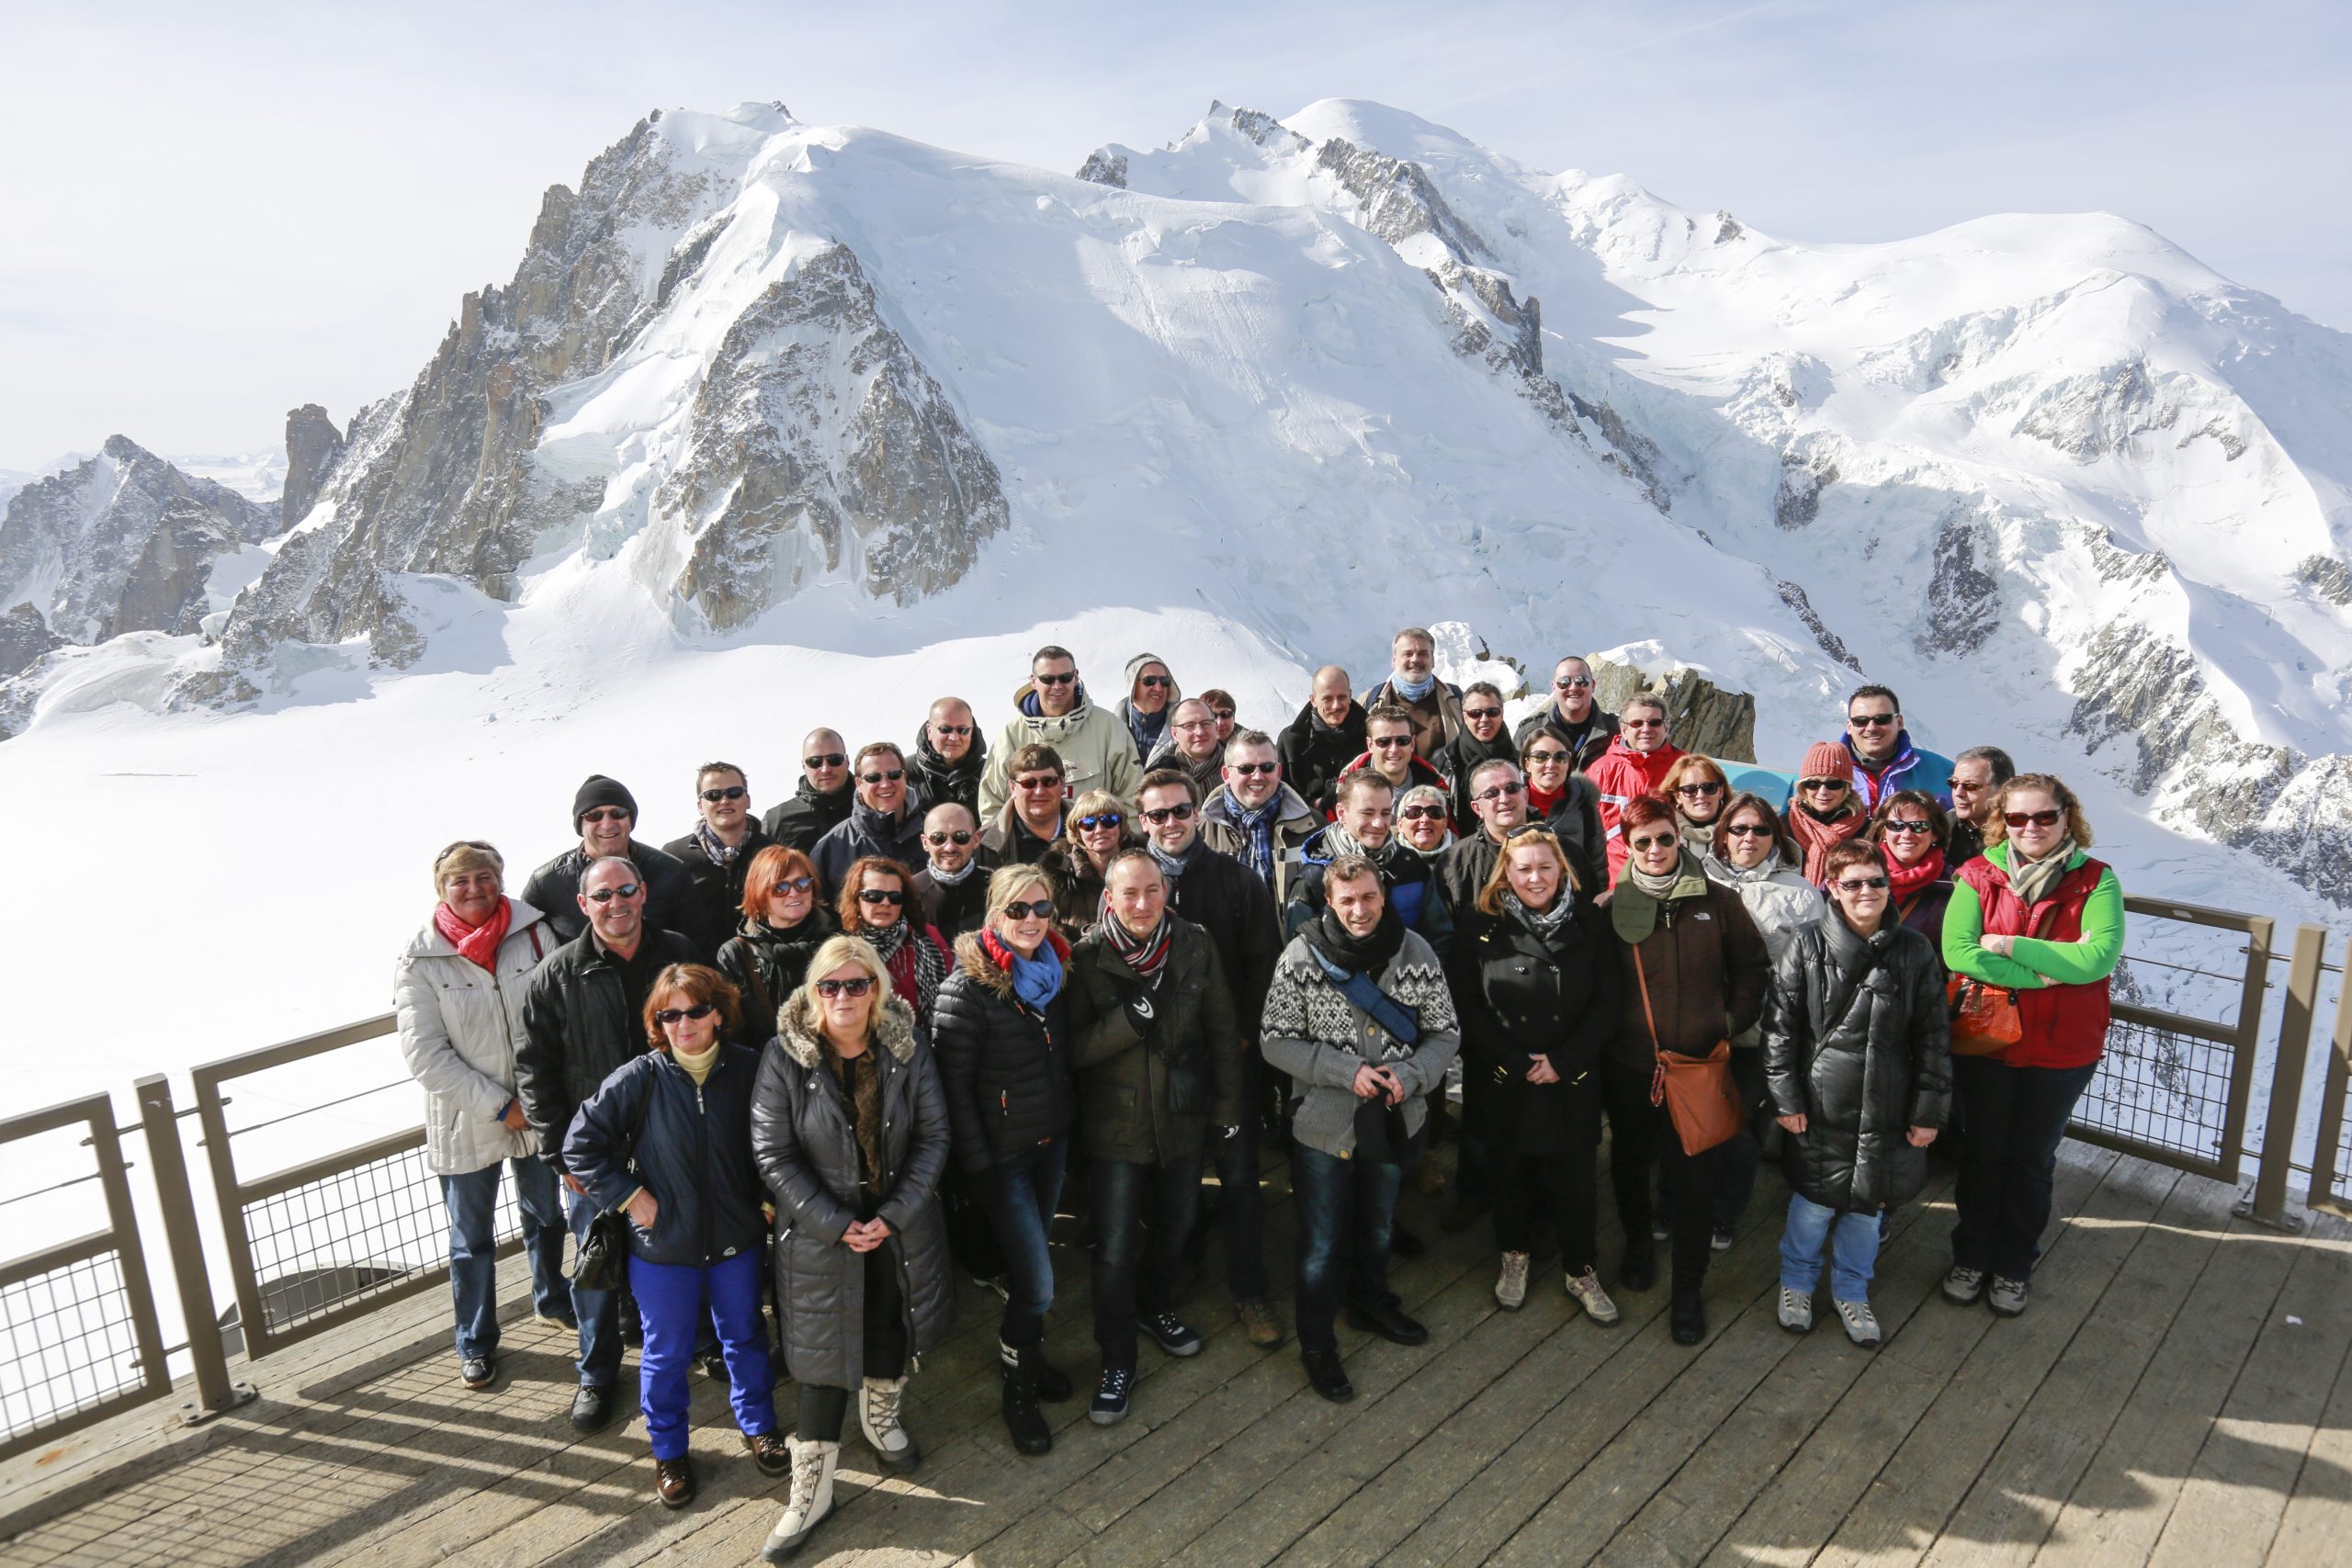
1635,764
886,821
1326,737
1095,748
1432,707
953,888
718,854
1254,816
822,801
1388,752
949,756
1572,714
1499,801
1884,760
604,814
1483,738
583,1017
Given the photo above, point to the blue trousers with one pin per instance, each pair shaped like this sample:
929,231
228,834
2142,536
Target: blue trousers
1347,1212
671,1301
1025,1190
1852,1240
599,1312
1134,1273
471,1201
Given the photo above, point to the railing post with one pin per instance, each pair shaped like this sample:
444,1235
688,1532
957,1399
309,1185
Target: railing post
2267,1204
214,1391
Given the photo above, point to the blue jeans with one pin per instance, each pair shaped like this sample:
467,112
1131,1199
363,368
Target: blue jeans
1852,1239
1024,1190
1134,1273
670,1301
599,1312
471,1201
1344,1206
2009,1161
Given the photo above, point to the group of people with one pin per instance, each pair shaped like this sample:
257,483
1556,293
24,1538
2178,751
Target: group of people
820,1063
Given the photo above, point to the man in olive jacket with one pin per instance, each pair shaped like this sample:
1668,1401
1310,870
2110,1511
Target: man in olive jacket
1156,1048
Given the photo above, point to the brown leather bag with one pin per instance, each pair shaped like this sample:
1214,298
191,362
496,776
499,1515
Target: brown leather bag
1697,1091
1985,1018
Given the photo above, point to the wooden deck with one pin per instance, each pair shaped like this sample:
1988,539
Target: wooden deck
2179,1393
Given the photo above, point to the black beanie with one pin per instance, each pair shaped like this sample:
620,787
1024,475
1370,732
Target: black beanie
601,790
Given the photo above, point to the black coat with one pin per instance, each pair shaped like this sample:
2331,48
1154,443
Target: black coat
672,903
1407,880
808,816
1128,1108
1005,1065
579,1026
718,889
1520,993
960,907
689,1144
767,965
941,782
1459,758
1465,866
1856,1040
1313,753
1225,899
867,832
1590,744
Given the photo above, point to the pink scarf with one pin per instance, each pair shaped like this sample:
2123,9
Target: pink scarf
477,944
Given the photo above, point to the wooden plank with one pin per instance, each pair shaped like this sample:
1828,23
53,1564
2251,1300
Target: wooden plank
2316,1531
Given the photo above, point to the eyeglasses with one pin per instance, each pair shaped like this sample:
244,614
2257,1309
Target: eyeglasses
607,895
824,760
1050,780
1168,814
1156,681
607,813
732,792
1653,840
1064,679
1423,813
893,774
1209,723
1502,791
951,729
461,844
1902,827
1546,758
1100,820
1030,910
1247,769
792,884
880,895
1386,741
669,1016
2038,819
1475,713
1834,786
1870,720
957,836
1859,883
1748,830
1573,684
1700,790
1642,723
857,987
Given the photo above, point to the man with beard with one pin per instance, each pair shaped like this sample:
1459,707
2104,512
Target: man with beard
949,757
953,888
1433,707
821,802
1326,737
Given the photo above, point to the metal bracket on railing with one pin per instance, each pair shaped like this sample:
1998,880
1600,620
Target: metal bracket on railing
214,1391
2265,1203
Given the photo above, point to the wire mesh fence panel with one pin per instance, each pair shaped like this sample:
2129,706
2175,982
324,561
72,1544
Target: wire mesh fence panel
2158,1089
68,1344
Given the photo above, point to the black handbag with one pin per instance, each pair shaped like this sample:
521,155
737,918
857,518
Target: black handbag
601,1262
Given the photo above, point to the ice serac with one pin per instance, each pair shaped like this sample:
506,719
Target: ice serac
313,444
121,542
818,444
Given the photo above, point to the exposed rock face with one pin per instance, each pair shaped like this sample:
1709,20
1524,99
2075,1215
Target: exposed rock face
1105,169
1793,594
2327,576
1804,476
312,443
1699,715
1399,198
122,542
25,639
1964,599
819,441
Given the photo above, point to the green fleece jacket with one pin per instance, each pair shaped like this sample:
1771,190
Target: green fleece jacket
2033,961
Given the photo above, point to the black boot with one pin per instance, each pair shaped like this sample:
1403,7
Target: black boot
1023,1419
1639,1271
1687,1318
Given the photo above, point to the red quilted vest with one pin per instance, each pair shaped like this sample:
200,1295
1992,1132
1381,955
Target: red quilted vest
2063,1026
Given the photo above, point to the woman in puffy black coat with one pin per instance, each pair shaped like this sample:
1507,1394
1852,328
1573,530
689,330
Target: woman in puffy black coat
784,924
666,1141
1857,1057
1001,1027
849,1125
1534,973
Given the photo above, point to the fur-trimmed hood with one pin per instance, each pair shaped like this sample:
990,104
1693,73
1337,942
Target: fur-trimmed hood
973,960
797,1027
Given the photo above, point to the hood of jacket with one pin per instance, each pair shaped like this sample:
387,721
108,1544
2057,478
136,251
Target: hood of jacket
797,1029
1024,702
430,943
926,757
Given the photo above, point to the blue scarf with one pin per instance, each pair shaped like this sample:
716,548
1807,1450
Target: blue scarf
1409,691
1038,980
1257,835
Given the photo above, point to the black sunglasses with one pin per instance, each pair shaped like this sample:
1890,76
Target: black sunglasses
1033,785
893,774
1870,720
2039,818
669,1016
1482,713
880,895
857,987
1387,740
1652,841
958,836
1422,813
1502,791
1156,681
1101,820
607,813
1169,814
1246,768
606,894
1702,789
1573,682
824,760
1859,883
1748,830
1902,826
1535,757
1062,680
1040,909
951,729
732,792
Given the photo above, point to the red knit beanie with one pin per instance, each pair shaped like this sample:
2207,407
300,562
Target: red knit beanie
1826,759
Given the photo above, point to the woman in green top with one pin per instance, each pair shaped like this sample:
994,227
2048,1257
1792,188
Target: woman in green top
2036,914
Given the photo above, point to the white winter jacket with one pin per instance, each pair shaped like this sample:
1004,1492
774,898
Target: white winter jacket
459,1027
1779,899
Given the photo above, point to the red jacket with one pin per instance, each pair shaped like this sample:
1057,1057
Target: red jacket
1619,775
2062,1025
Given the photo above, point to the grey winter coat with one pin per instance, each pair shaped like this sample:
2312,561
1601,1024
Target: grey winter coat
461,1027
1319,1038
807,1156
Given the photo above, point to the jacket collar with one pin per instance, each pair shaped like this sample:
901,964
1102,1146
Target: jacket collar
797,1028
430,943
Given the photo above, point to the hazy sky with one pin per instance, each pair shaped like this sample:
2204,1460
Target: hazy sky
215,212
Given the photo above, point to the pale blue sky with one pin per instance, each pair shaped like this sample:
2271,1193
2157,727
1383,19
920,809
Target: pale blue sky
216,212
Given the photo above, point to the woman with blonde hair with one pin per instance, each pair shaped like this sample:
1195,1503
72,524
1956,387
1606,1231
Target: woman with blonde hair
1698,789
1099,825
849,1125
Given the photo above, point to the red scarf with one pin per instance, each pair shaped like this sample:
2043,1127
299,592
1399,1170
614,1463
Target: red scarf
1543,802
478,944
1817,837
1001,954
1907,880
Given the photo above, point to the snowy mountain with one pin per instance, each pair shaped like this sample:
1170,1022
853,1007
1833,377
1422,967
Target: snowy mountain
758,383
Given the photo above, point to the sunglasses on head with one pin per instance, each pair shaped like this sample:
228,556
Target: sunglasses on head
1870,720
955,836
1048,782
1545,758
1168,814
1062,680
1475,713
857,987
669,1016
607,813
1422,813
880,895
1903,824
1101,820
2037,818
1247,769
892,774
732,792
606,894
1385,742
1700,790
1859,883
1653,840
1502,791
824,760
461,844
1030,910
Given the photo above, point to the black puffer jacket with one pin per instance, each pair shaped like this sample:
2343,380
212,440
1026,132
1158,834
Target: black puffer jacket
718,889
578,1026
1313,752
808,816
767,965
1126,1101
689,1144
806,1150
671,902
941,782
868,832
1005,1065
1857,1040
1520,993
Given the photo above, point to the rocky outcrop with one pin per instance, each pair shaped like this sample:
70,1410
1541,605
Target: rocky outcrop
1699,715
1793,594
1398,199
2326,576
121,542
1105,169
1804,476
819,444
1964,599
25,639
313,444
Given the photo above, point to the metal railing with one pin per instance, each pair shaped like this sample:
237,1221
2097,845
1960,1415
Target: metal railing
2332,1152
79,1338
